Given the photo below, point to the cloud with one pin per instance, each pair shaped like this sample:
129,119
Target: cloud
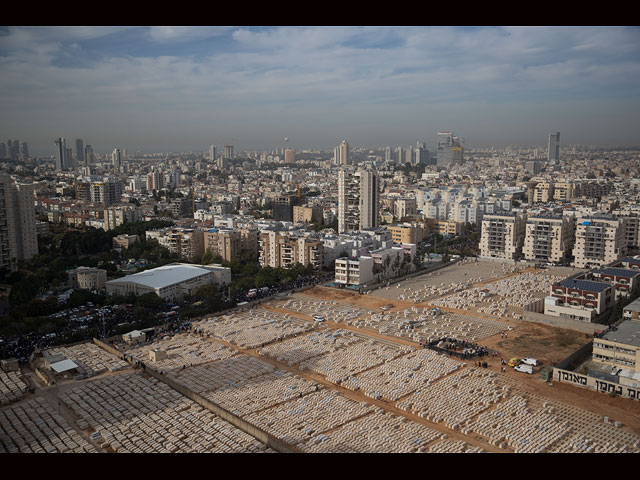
64,73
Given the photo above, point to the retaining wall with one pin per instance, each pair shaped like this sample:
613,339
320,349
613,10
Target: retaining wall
560,322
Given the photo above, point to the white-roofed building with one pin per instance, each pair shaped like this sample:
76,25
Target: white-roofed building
170,282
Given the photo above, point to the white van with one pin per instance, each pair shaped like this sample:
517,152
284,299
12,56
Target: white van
524,368
530,361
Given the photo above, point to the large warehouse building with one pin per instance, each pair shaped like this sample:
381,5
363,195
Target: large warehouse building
170,282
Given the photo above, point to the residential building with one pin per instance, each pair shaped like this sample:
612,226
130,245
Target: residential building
116,215
502,236
358,200
549,238
18,234
600,240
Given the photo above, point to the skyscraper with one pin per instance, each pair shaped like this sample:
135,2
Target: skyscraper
228,151
553,149
80,152
449,151
290,155
358,200
116,160
62,162
18,236
212,153
341,153
88,155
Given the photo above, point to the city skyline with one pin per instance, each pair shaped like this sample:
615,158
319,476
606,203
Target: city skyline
186,88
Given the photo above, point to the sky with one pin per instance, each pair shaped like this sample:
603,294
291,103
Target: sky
162,89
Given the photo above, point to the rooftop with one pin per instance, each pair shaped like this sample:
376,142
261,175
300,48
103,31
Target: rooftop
618,272
627,332
165,275
584,285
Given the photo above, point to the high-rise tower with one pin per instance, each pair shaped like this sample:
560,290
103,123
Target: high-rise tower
341,153
62,160
553,149
80,152
358,200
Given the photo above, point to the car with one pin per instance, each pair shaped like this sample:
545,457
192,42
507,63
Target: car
384,307
514,362
530,361
318,318
524,368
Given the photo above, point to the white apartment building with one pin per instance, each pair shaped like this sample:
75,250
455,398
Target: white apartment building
600,240
548,238
502,236
354,271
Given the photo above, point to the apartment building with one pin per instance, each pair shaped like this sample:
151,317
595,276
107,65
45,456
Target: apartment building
543,192
307,214
600,240
502,236
18,234
448,227
116,215
279,249
354,271
358,200
187,243
404,207
548,238
407,232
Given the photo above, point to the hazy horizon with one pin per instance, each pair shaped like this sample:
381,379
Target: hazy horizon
155,89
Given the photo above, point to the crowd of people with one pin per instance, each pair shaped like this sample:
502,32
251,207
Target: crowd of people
458,348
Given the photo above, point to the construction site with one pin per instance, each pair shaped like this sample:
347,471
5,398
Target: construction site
328,370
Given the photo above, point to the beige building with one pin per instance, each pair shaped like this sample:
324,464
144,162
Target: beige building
404,207
222,243
548,238
406,232
600,240
448,227
502,236
543,192
124,240
87,278
277,249
187,243
563,191
307,214
620,349
228,243
116,215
